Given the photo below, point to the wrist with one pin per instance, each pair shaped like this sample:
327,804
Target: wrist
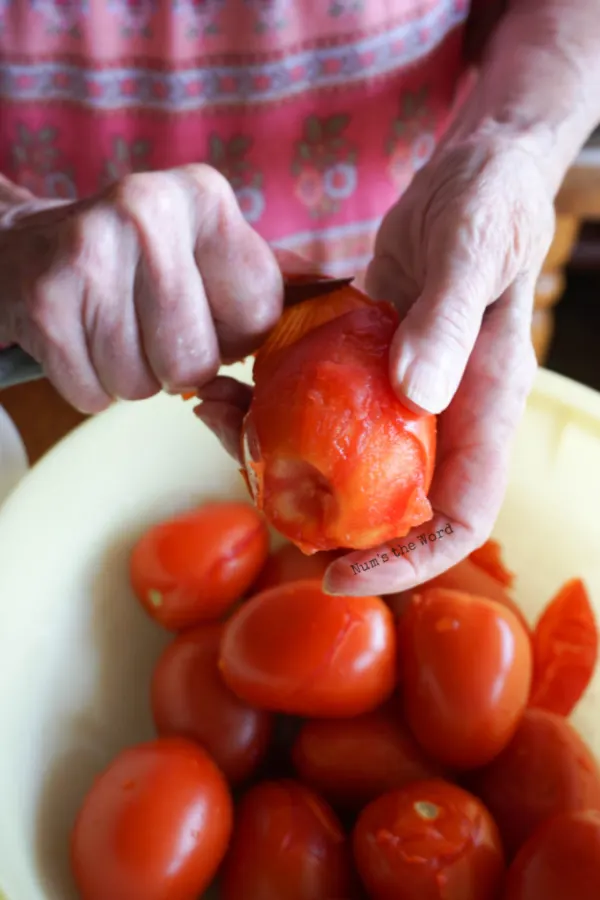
538,89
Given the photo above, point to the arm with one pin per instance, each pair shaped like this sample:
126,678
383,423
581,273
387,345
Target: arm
539,82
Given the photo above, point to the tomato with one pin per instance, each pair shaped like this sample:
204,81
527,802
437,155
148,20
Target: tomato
469,578
565,645
190,699
465,669
489,558
561,860
296,650
545,770
288,563
333,458
352,761
154,826
193,567
428,841
286,843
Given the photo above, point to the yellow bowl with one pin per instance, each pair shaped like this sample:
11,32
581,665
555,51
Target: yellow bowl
76,651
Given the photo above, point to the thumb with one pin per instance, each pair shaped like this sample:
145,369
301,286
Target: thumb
435,339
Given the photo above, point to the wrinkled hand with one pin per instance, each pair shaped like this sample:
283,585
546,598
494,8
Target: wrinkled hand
460,255
148,286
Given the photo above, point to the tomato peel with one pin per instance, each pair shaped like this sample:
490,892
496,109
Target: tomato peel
565,646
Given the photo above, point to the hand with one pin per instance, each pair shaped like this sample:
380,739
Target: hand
460,255
150,285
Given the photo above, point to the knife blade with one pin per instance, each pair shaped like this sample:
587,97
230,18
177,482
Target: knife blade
17,367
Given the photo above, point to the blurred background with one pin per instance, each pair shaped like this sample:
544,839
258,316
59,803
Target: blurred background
567,318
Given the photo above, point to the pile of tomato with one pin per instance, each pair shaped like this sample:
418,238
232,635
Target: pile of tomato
316,747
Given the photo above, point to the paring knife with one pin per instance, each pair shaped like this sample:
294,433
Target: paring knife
17,367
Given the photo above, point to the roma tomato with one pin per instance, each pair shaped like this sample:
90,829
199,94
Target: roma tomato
352,761
154,826
288,563
190,699
193,567
469,578
560,860
332,456
565,650
286,843
296,650
429,841
545,770
465,669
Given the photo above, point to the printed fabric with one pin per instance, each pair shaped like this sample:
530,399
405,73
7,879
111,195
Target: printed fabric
318,113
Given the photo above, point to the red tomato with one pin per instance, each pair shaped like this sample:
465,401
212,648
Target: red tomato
333,458
352,761
296,650
286,843
565,647
192,568
190,699
489,558
560,861
428,841
291,564
155,825
545,770
468,578
465,668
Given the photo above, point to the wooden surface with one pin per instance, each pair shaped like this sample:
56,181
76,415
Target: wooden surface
40,414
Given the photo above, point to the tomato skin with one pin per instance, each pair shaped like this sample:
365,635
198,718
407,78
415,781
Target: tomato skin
294,649
489,558
190,699
465,669
469,578
545,770
154,826
351,762
565,646
193,567
403,854
333,458
287,843
288,563
560,860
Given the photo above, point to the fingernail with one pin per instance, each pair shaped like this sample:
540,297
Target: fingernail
425,384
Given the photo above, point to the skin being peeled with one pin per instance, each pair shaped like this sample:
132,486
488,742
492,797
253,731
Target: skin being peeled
331,455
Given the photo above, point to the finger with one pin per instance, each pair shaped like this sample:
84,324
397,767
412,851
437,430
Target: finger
112,328
470,252
225,420
475,442
242,279
225,389
178,334
225,402
61,346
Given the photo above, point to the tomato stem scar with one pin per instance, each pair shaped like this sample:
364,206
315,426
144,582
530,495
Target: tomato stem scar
426,810
155,597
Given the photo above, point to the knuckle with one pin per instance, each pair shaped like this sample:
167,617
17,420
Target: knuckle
144,196
190,369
